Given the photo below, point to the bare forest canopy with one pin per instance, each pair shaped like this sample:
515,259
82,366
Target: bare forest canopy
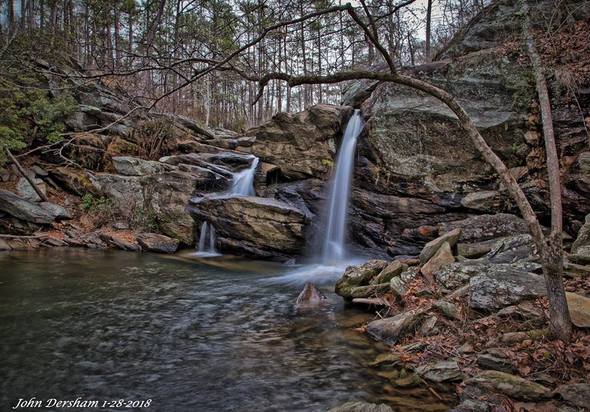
162,52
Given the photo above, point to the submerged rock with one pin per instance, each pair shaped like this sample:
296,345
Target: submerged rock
310,296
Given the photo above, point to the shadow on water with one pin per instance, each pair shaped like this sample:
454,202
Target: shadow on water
191,337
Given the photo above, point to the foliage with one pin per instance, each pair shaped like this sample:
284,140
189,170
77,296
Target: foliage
29,113
101,206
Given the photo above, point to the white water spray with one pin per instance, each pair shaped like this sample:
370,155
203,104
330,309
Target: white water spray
207,241
243,182
334,248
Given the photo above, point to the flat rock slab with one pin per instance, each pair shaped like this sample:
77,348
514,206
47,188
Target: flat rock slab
40,213
434,245
503,285
154,242
510,385
443,371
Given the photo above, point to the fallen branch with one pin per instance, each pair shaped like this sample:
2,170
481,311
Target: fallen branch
24,174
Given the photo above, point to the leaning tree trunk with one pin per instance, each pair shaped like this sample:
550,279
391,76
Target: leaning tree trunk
551,250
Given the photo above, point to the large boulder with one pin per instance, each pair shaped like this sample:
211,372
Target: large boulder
40,213
253,226
302,144
154,242
503,285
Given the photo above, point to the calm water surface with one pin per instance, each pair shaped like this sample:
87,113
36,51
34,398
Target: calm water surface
189,336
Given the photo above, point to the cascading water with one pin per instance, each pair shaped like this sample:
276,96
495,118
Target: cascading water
333,260
243,182
333,248
207,241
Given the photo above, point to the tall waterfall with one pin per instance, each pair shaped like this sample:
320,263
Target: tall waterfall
243,182
333,247
207,240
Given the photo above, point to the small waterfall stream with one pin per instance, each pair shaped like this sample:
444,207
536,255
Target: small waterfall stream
207,241
333,250
243,182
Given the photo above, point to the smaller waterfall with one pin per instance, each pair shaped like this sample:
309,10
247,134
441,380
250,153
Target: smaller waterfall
243,182
207,240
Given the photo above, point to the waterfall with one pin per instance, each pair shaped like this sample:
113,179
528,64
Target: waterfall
243,182
333,248
207,234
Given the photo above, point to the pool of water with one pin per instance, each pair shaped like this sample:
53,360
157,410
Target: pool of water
107,325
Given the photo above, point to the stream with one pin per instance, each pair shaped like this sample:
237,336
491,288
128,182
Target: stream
189,336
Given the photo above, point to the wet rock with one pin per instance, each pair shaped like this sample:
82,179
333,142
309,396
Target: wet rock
442,371
576,394
485,227
41,213
154,242
509,385
433,246
441,258
502,286
390,271
391,330
253,226
310,296
27,192
133,166
399,284
581,246
361,407
386,359
356,276
579,308
495,359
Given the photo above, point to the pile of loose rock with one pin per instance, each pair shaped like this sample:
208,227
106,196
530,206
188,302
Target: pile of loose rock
473,315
